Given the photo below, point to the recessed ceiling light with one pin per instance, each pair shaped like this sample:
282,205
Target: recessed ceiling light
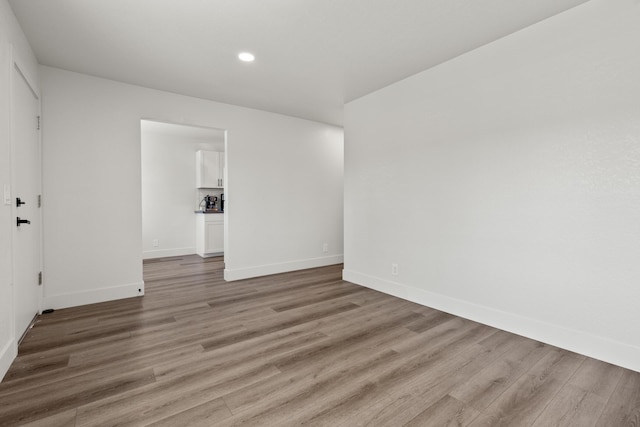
246,57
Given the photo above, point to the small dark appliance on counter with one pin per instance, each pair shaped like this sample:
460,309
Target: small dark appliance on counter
210,203
222,202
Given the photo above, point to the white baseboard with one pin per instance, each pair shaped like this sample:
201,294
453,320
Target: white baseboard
597,347
93,296
265,270
211,255
7,355
162,253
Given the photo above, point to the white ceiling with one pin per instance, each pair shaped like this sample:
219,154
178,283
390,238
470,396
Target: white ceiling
312,56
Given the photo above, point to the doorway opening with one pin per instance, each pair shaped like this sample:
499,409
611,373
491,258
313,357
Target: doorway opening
171,198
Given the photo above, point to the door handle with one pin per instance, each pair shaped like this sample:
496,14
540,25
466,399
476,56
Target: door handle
22,221
19,202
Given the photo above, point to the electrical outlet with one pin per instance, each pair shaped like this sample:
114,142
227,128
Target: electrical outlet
156,243
325,247
394,269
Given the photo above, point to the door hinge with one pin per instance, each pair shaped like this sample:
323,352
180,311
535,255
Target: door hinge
38,122
40,278
39,200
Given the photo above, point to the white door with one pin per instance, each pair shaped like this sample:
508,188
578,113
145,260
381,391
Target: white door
26,182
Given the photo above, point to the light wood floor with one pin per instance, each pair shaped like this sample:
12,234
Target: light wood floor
301,348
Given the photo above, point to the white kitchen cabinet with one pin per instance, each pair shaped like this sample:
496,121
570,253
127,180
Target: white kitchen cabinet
209,169
209,234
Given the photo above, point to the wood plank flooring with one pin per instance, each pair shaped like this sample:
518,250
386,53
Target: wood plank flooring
302,348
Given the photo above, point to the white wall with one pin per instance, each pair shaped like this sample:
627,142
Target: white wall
169,192
92,191
13,45
513,178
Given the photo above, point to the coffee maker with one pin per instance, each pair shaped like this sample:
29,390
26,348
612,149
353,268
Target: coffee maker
210,202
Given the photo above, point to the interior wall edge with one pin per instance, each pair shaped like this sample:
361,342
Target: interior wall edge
597,347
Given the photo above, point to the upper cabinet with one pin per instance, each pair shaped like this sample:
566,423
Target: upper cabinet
209,169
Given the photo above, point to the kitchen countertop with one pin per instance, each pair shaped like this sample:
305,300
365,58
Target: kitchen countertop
209,212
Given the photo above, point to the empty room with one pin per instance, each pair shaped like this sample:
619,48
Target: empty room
284,213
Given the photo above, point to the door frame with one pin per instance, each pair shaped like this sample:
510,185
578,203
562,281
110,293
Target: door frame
225,132
16,65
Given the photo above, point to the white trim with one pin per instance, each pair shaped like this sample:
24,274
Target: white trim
283,267
10,350
7,355
94,296
594,346
162,253
211,254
